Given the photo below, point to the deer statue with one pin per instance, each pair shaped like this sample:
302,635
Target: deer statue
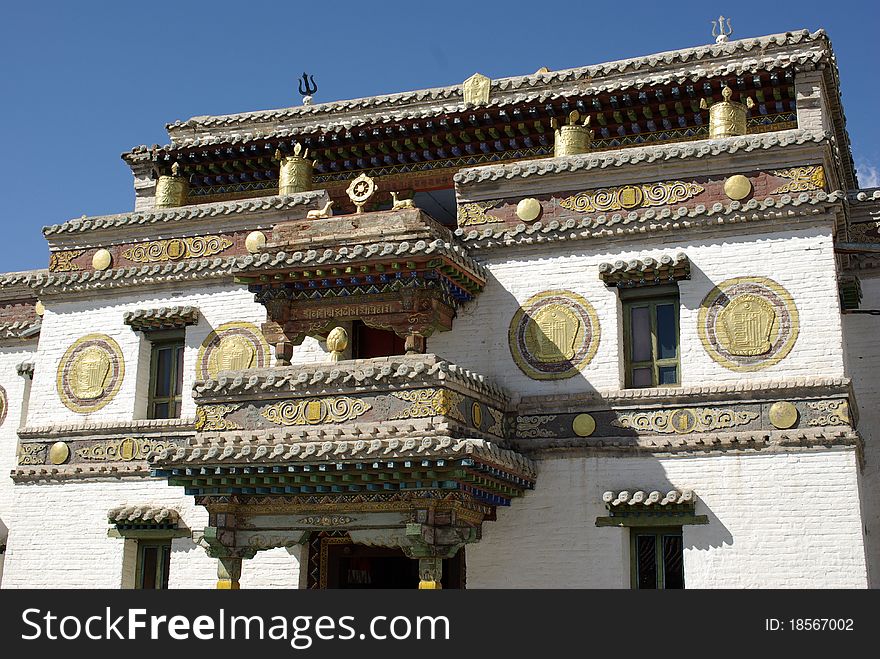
399,204
320,213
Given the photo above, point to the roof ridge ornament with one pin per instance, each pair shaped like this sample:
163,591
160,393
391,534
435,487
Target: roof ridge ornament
307,88
727,118
718,31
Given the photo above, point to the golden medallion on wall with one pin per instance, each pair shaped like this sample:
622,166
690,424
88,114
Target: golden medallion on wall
234,346
90,373
554,335
748,323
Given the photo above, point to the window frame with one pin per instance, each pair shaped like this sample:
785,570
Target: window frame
651,299
659,533
163,567
160,342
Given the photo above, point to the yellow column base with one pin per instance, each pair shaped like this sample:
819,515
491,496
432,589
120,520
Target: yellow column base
227,584
430,585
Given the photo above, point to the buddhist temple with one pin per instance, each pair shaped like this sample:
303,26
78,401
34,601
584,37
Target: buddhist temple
603,327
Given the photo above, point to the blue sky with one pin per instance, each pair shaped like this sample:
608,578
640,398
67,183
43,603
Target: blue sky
83,82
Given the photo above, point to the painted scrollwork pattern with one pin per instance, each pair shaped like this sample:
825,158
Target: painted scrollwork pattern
627,197
748,323
123,450
234,346
475,213
175,249
554,335
684,421
90,373
63,261
4,405
315,411
532,426
830,413
213,417
32,454
802,179
430,402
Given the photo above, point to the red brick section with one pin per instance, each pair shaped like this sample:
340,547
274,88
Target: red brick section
18,311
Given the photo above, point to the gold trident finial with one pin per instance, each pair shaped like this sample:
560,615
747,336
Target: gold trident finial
719,32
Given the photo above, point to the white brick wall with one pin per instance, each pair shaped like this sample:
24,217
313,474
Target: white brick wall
801,261
863,366
775,521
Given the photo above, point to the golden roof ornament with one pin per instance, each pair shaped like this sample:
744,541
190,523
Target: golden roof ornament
360,191
296,171
337,342
476,89
727,118
172,190
721,34
573,138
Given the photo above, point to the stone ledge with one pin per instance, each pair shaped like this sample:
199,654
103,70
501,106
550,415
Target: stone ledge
163,318
646,272
138,426
50,473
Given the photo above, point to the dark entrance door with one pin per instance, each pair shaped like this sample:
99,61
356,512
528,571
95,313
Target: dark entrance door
343,564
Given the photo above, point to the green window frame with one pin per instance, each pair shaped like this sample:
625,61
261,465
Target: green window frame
656,558
153,563
664,369
166,378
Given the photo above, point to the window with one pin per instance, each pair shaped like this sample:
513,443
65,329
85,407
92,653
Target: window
657,558
650,332
153,561
166,378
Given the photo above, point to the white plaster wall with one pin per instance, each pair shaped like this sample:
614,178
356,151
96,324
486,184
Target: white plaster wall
802,261
775,521
64,322
863,366
14,384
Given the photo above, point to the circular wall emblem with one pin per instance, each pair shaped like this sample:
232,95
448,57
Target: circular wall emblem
554,335
4,405
90,373
232,347
748,323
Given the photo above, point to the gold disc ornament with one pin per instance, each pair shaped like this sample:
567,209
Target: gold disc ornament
737,187
528,209
583,425
58,453
90,373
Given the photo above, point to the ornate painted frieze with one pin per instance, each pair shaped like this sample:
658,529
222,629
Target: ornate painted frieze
497,427
865,232
554,335
628,197
476,213
233,346
175,249
123,450
337,409
90,373
326,520
829,413
213,417
801,179
63,261
430,402
748,323
685,420
32,454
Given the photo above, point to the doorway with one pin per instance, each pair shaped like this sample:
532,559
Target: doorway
337,562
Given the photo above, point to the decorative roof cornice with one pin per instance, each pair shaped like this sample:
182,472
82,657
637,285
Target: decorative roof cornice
356,253
701,58
22,330
646,499
164,318
634,155
50,473
871,195
144,514
651,220
646,272
184,213
162,273
246,451
386,372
